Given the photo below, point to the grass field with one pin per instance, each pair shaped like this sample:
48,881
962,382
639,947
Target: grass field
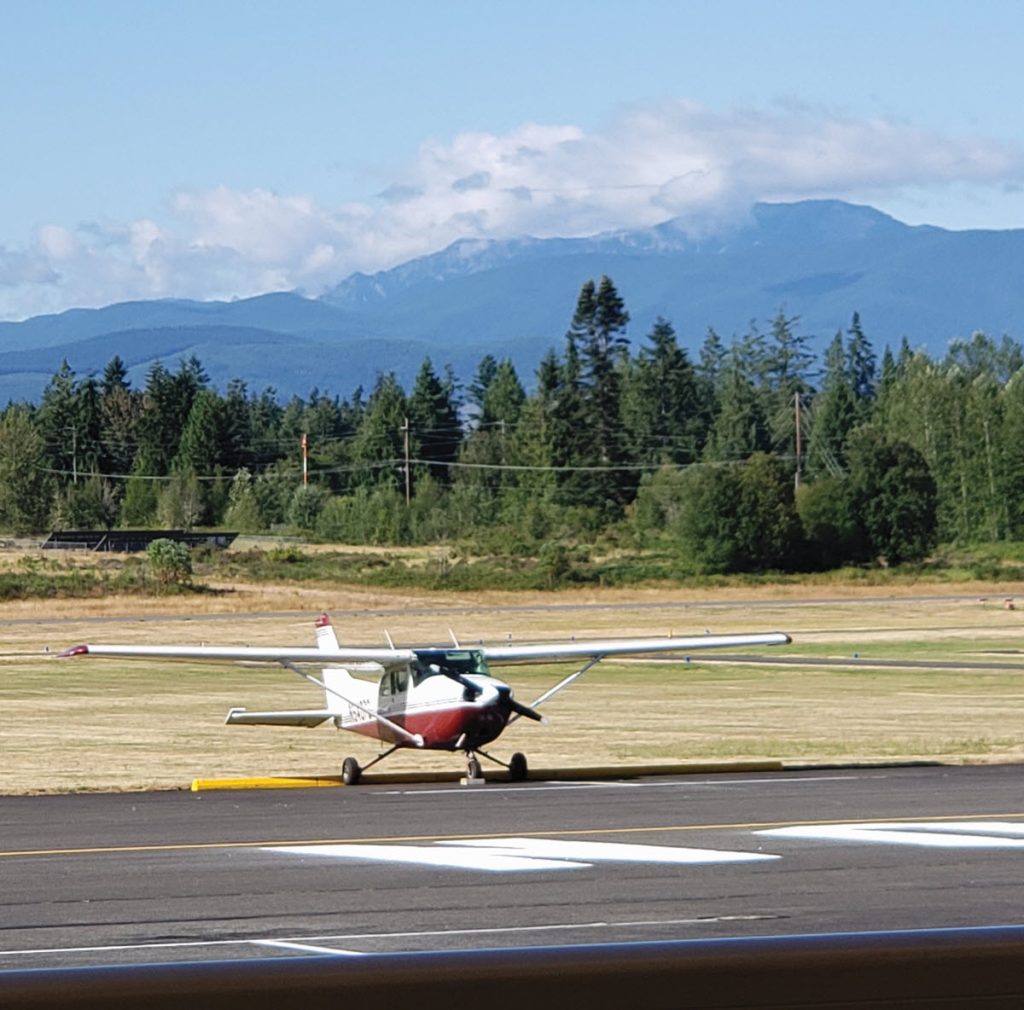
91,724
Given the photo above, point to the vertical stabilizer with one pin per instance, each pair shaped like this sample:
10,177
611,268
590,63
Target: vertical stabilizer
338,681
325,636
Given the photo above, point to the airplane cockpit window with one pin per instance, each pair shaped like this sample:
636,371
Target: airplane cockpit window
434,662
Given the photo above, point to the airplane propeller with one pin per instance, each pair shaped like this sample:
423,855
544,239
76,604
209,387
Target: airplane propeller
518,707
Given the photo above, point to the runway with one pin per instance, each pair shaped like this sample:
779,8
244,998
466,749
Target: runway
133,878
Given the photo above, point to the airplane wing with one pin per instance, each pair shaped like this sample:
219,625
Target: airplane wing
624,647
594,652
499,654
246,653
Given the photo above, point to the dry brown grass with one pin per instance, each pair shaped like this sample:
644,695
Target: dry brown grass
114,725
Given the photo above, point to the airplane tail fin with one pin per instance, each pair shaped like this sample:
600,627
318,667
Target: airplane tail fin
325,636
337,679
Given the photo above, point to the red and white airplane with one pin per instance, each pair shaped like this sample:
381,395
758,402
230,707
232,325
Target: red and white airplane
429,698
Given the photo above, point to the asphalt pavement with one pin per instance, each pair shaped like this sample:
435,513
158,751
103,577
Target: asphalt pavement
145,878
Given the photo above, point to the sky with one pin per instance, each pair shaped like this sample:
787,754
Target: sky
221,149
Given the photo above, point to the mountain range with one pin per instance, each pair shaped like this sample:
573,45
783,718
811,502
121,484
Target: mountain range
819,260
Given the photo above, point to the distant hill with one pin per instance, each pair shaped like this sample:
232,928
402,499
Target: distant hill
821,260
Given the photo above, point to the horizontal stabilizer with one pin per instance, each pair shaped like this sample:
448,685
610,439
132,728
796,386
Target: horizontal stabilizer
312,717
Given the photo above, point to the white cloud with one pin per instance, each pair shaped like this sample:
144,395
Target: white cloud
647,164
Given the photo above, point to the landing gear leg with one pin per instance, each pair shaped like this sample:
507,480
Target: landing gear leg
351,773
517,767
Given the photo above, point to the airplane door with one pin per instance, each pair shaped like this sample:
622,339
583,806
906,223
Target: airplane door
394,687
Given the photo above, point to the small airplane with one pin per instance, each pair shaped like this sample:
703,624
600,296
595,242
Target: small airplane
442,698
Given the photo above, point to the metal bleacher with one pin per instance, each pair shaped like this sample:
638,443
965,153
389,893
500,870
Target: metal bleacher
128,541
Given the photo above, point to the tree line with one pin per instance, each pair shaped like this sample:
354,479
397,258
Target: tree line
752,454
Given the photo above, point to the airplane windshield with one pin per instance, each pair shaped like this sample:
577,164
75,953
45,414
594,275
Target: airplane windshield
430,662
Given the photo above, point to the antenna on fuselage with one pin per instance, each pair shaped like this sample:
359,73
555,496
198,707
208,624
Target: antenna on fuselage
455,641
390,641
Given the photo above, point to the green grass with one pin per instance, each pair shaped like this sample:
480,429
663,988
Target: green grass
115,724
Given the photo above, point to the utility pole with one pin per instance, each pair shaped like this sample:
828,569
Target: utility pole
73,429
796,408
305,460
408,477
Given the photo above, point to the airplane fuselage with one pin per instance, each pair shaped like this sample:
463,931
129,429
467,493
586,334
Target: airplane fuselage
447,715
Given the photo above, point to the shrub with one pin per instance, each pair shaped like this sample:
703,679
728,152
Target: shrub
169,562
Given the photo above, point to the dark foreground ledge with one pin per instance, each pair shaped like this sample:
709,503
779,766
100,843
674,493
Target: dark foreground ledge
921,968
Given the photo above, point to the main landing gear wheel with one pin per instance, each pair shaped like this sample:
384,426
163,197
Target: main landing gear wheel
351,772
517,768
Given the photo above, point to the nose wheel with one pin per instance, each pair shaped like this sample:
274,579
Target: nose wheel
517,767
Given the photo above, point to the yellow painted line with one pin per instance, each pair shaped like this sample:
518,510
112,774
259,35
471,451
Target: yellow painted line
537,775
304,782
547,833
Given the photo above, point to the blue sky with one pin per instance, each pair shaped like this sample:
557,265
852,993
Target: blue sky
220,149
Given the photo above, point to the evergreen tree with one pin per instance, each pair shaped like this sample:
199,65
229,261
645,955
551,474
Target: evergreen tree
202,438
236,435
57,422
26,484
834,414
740,429
120,411
503,399
160,423
138,509
476,392
528,492
861,367
713,355
590,405
88,427
434,417
981,355
786,374
661,408
1011,438
378,447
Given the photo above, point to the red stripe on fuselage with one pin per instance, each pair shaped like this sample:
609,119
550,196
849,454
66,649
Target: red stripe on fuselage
443,727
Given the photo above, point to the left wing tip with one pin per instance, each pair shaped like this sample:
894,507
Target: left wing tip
74,650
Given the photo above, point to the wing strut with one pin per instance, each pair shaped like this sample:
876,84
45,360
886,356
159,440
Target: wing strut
414,738
558,687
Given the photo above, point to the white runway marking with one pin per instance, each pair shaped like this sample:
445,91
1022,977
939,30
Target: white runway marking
314,943
513,855
307,948
539,787
958,835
